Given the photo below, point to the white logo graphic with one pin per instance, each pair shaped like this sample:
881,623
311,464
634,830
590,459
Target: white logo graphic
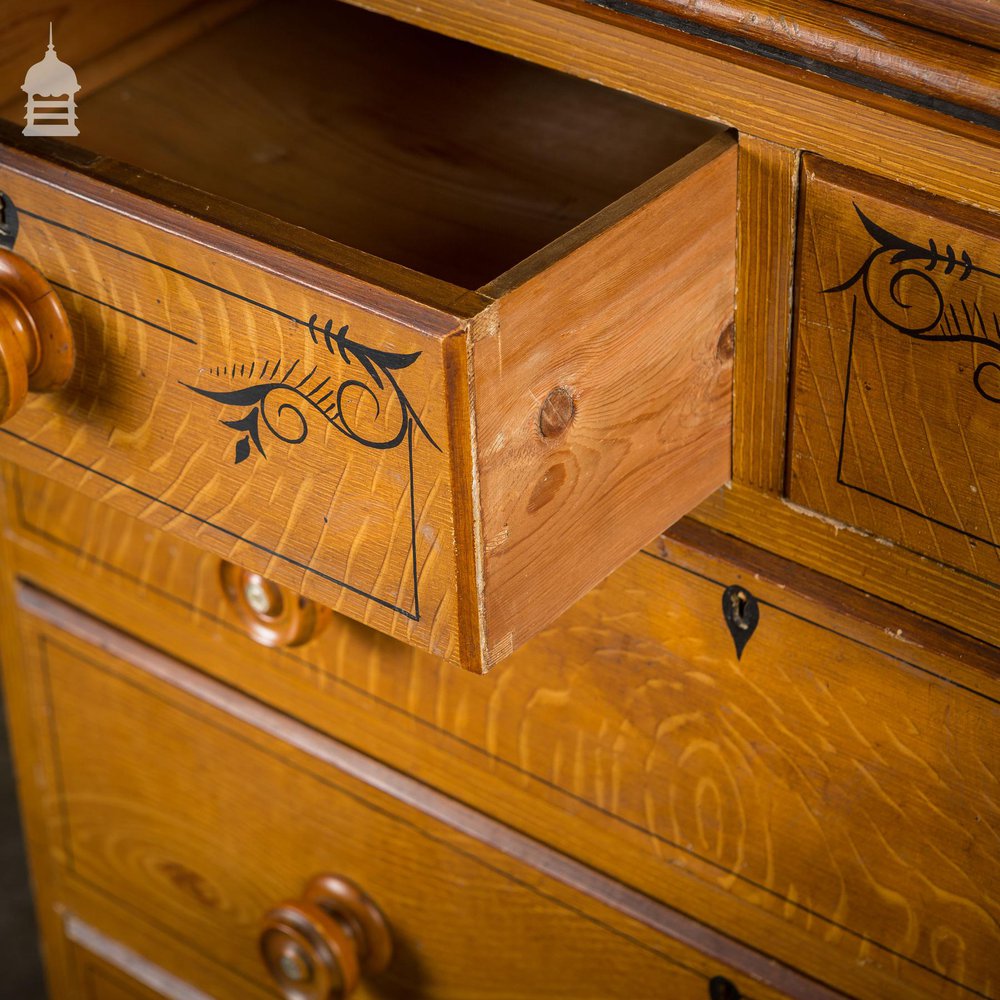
51,78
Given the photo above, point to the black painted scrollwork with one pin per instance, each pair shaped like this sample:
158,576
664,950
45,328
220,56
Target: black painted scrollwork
900,281
370,409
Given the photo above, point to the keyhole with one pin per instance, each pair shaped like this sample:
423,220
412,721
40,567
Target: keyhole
720,988
741,613
739,604
8,222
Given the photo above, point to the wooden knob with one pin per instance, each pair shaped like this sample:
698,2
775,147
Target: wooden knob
36,343
318,947
272,615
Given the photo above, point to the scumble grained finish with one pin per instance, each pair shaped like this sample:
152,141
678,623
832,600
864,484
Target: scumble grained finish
754,793
909,579
718,767
106,970
309,411
204,400
896,398
207,856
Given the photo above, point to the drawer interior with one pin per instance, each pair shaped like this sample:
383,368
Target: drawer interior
431,153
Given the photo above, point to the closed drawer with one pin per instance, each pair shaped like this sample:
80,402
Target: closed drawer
896,398
102,969
765,790
528,337
179,800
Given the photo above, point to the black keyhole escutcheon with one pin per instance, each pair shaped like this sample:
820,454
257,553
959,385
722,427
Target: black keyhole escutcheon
8,222
720,988
742,615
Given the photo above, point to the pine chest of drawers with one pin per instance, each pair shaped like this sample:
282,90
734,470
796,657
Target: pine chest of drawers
345,349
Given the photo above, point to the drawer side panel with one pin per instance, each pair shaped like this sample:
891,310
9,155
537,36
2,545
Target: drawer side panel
632,332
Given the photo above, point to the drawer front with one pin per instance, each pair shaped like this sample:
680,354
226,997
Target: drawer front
102,968
318,426
764,789
171,804
208,399
896,401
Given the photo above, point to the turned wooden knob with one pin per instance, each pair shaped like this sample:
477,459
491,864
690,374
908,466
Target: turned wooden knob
36,343
272,615
319,946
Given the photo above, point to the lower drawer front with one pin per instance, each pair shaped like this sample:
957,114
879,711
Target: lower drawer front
826,794
103,970
168,801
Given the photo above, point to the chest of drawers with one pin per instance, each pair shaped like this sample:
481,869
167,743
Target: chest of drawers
403,336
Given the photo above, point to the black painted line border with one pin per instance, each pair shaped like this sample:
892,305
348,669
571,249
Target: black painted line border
235,733
124,312
382,703
166,267
842,481
413,615
641,12
216,527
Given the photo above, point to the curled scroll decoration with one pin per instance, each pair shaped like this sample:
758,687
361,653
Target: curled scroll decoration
901,281
369,408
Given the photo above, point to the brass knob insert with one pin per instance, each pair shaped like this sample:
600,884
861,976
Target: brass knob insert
36,343
272,615
318,947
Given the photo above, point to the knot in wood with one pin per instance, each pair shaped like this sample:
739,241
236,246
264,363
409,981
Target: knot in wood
557,412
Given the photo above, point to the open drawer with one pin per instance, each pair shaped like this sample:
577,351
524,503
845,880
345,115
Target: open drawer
511,371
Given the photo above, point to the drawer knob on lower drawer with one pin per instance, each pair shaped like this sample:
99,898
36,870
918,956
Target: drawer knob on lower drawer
36,343
272,615
318,947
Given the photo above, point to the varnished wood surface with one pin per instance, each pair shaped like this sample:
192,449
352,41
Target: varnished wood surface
158,321
823,35
912,581
636,323
319,428
973,20
768,196
634,717
82,32
204,858
896,396
106,970
440,156
767,99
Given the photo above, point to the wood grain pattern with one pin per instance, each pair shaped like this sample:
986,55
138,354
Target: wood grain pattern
157,324
781,104
752,794
319,477
910,580
109,51
459,173
207,857
82,32
974,20
768,190
631,321
873,46
896,396
105,970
